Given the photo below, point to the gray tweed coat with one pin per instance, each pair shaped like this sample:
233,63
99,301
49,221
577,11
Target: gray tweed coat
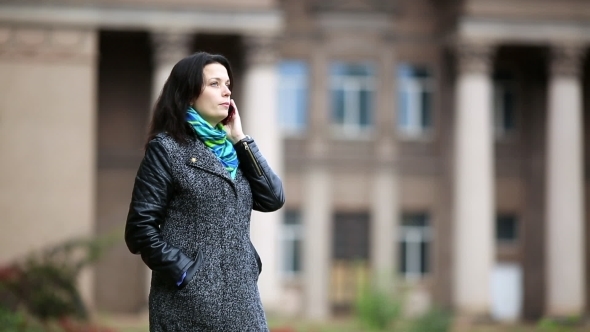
188,215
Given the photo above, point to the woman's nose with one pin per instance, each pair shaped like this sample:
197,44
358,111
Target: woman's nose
227,91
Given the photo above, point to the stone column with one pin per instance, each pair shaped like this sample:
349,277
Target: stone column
474,207
258,110
385,209
384,224
48,81
565,196
317,202
317,241
169,47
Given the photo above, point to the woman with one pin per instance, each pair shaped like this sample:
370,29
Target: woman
194,192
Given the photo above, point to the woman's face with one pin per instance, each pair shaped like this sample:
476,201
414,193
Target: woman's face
213,102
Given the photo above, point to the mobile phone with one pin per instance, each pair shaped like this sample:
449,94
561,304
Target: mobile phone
230,114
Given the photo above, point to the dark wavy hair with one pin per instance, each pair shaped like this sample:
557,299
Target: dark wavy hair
184,84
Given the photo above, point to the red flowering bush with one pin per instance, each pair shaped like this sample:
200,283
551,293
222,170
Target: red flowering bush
9,275
43,287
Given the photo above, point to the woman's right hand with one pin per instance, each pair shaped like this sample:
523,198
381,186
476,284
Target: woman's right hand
233,128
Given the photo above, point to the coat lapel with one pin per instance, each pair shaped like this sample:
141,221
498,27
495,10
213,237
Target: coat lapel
201,157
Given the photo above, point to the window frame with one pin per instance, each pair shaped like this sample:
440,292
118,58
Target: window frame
517,230
290,233
500,86
416,87
297,83
418,236
352,87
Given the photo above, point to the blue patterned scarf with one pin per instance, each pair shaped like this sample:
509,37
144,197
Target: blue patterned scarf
215,138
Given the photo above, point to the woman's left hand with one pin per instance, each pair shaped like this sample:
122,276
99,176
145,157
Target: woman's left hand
233,128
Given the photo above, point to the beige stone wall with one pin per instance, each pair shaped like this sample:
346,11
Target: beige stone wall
418,193
293,186
509,194
47,138
210,4
232,18
537,9
228,4
351,191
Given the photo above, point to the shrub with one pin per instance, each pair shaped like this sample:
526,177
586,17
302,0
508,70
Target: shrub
44,284
376,309
12,321
566,324
434,320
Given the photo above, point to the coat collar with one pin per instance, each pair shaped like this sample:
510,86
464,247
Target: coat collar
201,157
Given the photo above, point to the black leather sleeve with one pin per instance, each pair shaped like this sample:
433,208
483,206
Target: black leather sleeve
267,187
151,192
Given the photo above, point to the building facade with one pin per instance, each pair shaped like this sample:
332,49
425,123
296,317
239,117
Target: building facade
438,145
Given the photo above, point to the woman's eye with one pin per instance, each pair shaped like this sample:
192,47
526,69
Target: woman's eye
214,84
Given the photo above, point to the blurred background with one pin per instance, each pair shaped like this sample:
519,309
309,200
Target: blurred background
435,147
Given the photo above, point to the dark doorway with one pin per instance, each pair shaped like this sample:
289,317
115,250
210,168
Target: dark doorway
521,154
124,95
350,259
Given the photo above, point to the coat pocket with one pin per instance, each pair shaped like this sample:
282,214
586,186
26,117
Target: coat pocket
258,260
191,273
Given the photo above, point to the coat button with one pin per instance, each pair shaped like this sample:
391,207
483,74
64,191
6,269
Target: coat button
193,160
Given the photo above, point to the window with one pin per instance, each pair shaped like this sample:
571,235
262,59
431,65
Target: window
291,235
352,97
293,95
506,228
414,246
504,104
351,236
415,99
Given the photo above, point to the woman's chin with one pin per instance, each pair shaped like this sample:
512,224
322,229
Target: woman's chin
222,117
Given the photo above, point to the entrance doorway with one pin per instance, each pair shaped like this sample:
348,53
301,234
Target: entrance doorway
350,260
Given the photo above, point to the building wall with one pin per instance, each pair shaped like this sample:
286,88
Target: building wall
569,10
425,181
181,4
47,138
407,33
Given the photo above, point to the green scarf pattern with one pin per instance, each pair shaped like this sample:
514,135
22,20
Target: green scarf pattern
215,138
